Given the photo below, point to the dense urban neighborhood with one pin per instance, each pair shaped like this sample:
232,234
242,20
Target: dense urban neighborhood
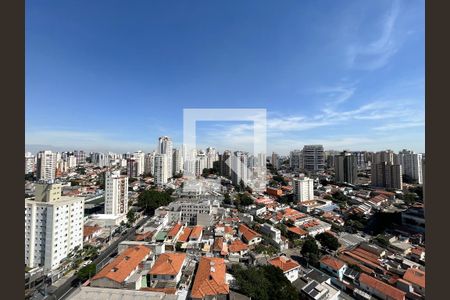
325,225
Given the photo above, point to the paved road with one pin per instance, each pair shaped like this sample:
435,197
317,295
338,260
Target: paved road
68,287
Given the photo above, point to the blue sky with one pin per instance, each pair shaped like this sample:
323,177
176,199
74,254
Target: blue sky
115,75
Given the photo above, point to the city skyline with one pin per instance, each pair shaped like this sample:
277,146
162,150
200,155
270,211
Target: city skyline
348,76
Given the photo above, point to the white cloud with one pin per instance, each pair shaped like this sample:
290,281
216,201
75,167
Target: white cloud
376,54
400,125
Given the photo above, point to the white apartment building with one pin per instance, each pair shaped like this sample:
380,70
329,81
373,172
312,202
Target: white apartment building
196,212
29,163
211,157
200,163
71,161
139,156
239,169
53,226
161,172
303,189
100,159
411,164
116,193
46,165
149,162
165,146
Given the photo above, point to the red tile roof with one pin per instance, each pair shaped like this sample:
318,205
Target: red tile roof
185,235
122,266
218,244
382,287
196,232
297,230
415,276
174,231
90,230
237,246
168,264
332,262
248,233
284,263
210,278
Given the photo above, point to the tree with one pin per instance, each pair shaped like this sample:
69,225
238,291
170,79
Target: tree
151,200
310,247
382,241
246,200
29,177
227,199
263,282
328,240
310,251
131,216
87,272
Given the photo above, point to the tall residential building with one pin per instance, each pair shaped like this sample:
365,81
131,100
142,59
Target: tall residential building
46,165
132,167
149,163
387,156
330,158
362,160
275,161
177,161
200,163
387,175
296,160
225,163
29,163
346,168
239,169
53,226
211,157
71,161
100,159
80,155
303,189
165,147
313,158
116,193
161,172
411,164
139,157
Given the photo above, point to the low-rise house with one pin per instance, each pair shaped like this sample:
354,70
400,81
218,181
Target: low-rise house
184,237
210,279
289,267
250,236
91,232
379,288
413,281
123,267
417,254
219,247
314,290
196,234
175,231
333,265
237,247
315,227
168,267
298,232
